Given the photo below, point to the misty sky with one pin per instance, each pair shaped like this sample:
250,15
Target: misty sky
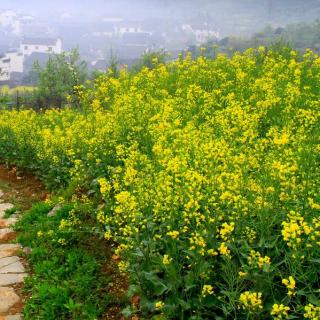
258,13
179,7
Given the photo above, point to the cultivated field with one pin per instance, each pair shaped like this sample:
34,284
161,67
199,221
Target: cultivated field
206,175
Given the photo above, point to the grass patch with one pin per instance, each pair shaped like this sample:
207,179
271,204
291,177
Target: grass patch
9,212
67,274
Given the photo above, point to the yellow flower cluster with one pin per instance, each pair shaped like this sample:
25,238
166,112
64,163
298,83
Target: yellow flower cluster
280,311
166,259
312,312
251,301
290,283
255,259
207,290
226,230
159,305
297,232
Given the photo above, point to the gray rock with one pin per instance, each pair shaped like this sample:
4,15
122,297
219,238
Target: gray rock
8,299
1,194
7,261
54,211
16,267
27,250
11,279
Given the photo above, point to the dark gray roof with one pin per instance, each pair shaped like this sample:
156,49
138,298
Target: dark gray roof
40,41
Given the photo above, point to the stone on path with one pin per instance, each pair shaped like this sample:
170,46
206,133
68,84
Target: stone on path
8,299
8,250
11,265
7,261
11,278
13,317
4,223
12,271
6,234
16,267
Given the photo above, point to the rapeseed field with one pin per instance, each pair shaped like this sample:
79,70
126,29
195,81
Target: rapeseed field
205,173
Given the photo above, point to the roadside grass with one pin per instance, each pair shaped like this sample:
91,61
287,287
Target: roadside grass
68,278
9,212
76,279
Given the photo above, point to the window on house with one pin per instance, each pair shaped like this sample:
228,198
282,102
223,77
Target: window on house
37,47
25,47
50,49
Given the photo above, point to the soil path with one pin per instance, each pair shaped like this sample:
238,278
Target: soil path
12,271
17,190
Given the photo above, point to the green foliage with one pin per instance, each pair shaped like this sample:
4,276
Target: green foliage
59,80
150,60
67,280
297,36
205,172
9,212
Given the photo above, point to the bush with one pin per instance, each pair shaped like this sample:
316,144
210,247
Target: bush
59,79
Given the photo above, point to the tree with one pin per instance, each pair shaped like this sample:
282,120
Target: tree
150,60
59,79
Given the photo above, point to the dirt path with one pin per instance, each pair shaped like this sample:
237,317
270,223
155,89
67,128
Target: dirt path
12,271
18,190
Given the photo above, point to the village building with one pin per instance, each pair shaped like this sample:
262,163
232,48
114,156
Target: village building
11,63
16,61
4,68
7,18
40,45
128,27
201,32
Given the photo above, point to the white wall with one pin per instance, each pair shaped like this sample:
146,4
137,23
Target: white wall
122,30
7,18
16,61
4,71
28,49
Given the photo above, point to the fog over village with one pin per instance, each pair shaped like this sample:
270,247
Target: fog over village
124,30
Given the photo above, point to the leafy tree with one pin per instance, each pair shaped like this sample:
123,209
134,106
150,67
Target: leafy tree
150,60
59,79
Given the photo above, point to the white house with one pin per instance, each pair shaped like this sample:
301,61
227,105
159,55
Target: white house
127,27
16,61
201,32
4,68
40,45
7,18
10,62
